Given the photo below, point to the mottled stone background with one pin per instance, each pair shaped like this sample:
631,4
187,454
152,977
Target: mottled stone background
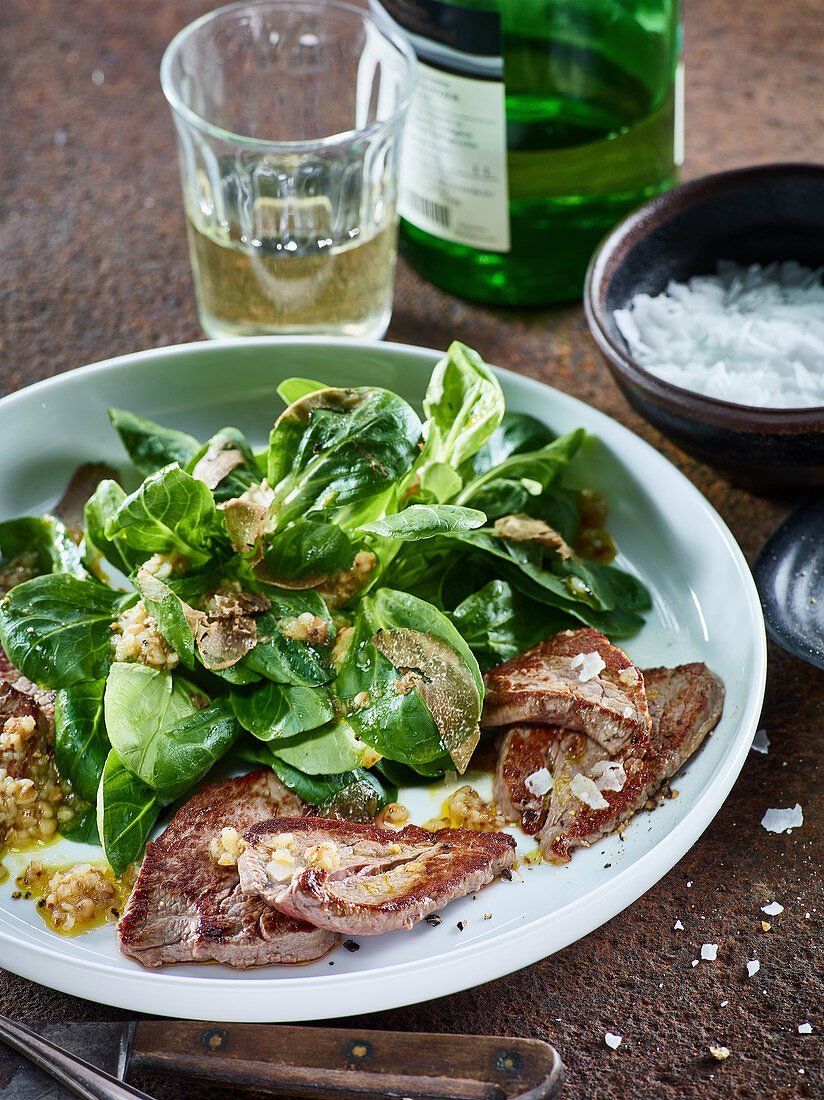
93,264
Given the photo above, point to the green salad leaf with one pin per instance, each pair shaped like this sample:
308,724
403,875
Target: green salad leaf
57,629
308,548
333,747
37,545
100,507
499,622
464,405
150,446
270,711
170,511
81,743
355,796
161,730
424,521
126,812
293,389
335,448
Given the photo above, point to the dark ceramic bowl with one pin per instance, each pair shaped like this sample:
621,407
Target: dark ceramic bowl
750,215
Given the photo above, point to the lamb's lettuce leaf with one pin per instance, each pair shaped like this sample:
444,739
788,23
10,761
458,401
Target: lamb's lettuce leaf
57,629
170,511
127,808
285,659
335,448
517,433
161,731
270,711
309,548
424,521
151,446
498,622
539,469
333,747
40,544
292,389
464,405
100,507
81,743
421,684
82,828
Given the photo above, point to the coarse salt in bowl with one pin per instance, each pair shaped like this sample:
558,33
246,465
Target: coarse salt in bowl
707,304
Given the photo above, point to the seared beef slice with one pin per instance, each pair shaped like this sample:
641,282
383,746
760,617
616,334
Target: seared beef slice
363,880
577,680
536,769
186,908
521,778
685,704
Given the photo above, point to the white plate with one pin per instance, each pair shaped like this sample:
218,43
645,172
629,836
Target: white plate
705,608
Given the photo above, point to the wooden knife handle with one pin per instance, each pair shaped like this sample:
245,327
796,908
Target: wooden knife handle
348,1064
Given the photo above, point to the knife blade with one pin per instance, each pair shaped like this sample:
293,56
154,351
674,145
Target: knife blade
297,1061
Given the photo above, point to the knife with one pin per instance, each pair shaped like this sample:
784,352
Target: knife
295,1061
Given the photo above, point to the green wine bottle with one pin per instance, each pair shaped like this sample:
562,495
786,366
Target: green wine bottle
535,126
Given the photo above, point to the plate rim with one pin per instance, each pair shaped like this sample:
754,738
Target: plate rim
166,992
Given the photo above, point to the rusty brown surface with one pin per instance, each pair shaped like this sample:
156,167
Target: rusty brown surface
93,264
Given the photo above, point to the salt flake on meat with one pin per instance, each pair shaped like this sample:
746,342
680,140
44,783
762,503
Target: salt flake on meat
783,820
539,783
805,1029
753,966
585,790
609,775
613,1041
709,951
773,909
591,665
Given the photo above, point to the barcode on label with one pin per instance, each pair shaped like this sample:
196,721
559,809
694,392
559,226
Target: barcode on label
434,211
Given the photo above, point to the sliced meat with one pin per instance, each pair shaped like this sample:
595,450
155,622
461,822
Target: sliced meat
10,674
536,768
685,704
187,908
577,680
21,745
522,755
571,755
363,880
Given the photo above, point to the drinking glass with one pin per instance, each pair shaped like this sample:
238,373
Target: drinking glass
288,115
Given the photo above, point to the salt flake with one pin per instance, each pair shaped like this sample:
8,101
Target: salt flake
753,966
590,665
773,909
760,743
585,790
751,335
613,1041
782,821
609,775
678,926
539,783
709,951
805,1029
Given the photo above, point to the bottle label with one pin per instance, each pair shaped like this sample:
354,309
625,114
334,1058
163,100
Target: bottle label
453,181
